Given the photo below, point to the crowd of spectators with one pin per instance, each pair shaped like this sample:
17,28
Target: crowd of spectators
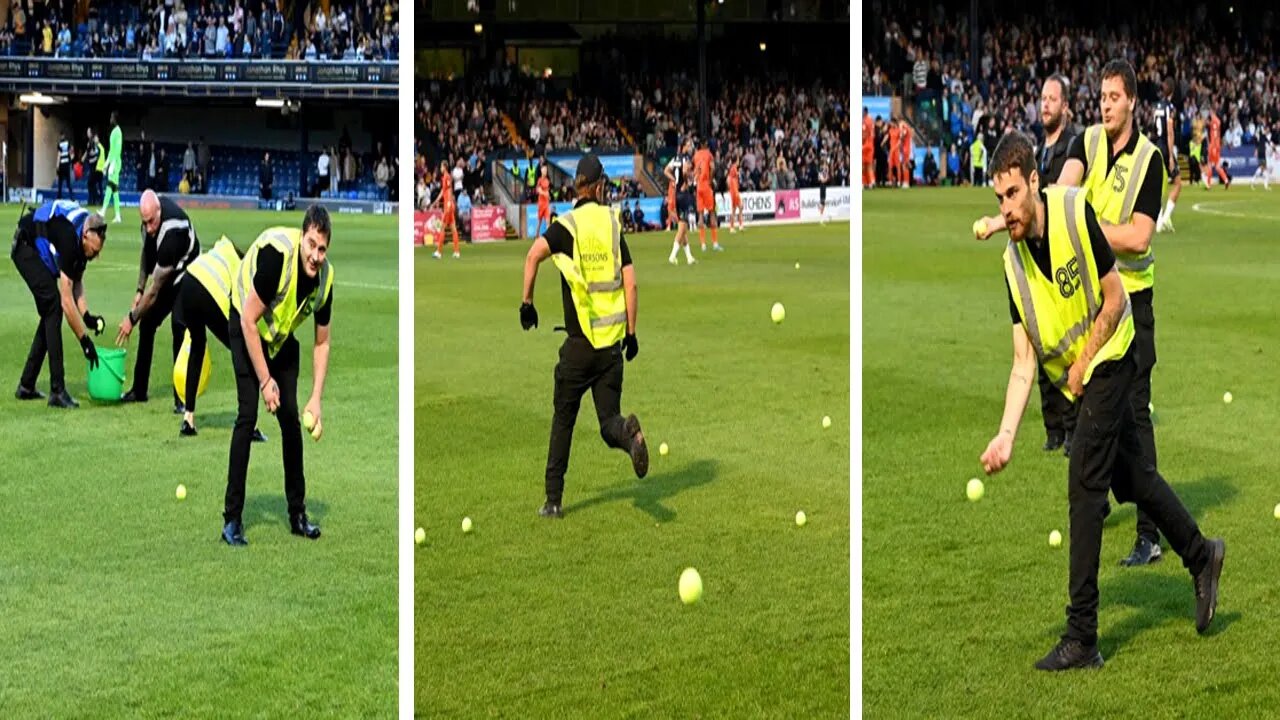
784,134
352,30
1226,66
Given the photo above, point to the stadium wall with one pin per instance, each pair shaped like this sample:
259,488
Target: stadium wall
46,129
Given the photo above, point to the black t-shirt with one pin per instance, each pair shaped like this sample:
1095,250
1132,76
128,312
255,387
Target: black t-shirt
267,280
62,235
174,243
560,241
1103,257
1148,200
1164,112
1054,156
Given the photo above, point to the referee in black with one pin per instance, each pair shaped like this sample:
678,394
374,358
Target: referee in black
51,247
586,244
169,243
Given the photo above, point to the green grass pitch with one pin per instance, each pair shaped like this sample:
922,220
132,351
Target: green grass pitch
120,601
527,617
960,598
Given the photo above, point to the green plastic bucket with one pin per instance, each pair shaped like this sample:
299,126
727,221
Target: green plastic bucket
107,381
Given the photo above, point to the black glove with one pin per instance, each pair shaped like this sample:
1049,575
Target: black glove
90,352
528,316
630,346
96,323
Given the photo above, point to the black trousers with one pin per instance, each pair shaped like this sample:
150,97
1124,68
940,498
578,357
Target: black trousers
95,187
1107,454
147,326
582,368
1144,340
199,313
48,335
1059,413
284,368
64,176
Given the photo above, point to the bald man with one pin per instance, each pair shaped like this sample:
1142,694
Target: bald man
169,243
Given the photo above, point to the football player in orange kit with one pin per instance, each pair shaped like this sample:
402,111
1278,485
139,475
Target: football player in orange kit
450,212
703,165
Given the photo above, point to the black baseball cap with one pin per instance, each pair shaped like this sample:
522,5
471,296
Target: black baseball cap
590,169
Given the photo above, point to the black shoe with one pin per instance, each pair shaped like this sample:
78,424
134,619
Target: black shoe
187,429
1053,441
1066,444
131,397
61,399
551,510
1207,585
179,408
1069,654
300,525
1144,552
233,534
639,449
27,394
258,436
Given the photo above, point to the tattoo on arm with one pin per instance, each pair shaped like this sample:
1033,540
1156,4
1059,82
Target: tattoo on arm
1103,328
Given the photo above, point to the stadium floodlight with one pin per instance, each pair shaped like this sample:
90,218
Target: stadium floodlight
40,99
763,47
270,102
479,28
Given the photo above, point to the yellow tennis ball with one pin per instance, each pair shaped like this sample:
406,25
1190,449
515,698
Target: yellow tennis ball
466,524
979,228
974,490
778,313
308,421
690,586
181,492
801,519
1055,539
419,536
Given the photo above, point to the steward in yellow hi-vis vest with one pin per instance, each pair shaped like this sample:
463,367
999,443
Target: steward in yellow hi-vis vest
1056,310
204,306
1113,182
1125,176
284,278
598,289
1072,314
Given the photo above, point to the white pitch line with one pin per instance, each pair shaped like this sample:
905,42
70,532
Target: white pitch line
1200,207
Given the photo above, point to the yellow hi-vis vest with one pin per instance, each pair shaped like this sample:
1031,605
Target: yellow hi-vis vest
216,271
1058,313
282,315
594,273
1113,195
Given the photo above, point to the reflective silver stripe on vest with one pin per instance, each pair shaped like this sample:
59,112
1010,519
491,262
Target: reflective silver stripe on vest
1096,133
608,320
1073,231
290,262
1139,167
616,282
1137,264
570,223
177,224
1028,305
207,262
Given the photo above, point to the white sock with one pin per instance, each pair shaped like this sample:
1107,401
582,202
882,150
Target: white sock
675,248
1168,211
688,254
